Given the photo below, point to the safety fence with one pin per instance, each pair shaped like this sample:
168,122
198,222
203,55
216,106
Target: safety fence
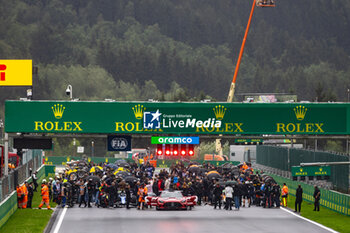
332,200
163,163
9,205
19,174
284,158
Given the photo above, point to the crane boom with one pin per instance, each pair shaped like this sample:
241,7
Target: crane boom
233,84
261,3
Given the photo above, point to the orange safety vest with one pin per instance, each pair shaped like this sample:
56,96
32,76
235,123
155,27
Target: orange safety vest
19,196
25,198
45,191
142,193
25,190
19,192
284,190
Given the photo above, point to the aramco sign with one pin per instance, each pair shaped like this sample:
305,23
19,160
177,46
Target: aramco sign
175,140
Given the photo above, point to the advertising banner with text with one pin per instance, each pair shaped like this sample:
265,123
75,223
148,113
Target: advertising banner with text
176,118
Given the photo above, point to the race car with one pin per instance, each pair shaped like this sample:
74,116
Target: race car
171,200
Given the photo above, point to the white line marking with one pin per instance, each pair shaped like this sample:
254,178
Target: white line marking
60,221
308,220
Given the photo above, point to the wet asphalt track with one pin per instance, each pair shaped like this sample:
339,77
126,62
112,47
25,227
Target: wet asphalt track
201,219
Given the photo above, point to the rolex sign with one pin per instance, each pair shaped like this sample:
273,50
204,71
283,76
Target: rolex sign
119,143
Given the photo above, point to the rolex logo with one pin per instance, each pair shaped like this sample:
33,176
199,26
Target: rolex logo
301,170
58,110
219,112
300,112
138,111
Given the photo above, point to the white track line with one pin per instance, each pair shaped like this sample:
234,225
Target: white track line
60,221
308,220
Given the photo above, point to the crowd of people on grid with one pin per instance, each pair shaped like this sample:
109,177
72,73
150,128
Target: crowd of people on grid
226,189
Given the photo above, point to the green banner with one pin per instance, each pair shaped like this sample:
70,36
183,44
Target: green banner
311,171
176,118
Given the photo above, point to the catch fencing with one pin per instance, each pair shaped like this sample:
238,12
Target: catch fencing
284,158
21,173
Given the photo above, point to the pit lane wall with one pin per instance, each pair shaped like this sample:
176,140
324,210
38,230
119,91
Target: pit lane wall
332,200
162,163
9,205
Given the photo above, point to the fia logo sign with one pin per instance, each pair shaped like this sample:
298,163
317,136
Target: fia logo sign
119,143
151,120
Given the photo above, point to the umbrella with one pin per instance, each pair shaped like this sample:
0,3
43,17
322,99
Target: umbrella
268,179
95,179
193,163
213,175
122,163
231,182
130,179
122,174
82,163
203,171
213,172
112,165
194,169
227,166
67,184
121,169
96,169
235,171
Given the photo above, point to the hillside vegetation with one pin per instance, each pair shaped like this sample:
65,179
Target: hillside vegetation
177,50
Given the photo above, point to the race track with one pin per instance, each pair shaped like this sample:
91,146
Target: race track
202,219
